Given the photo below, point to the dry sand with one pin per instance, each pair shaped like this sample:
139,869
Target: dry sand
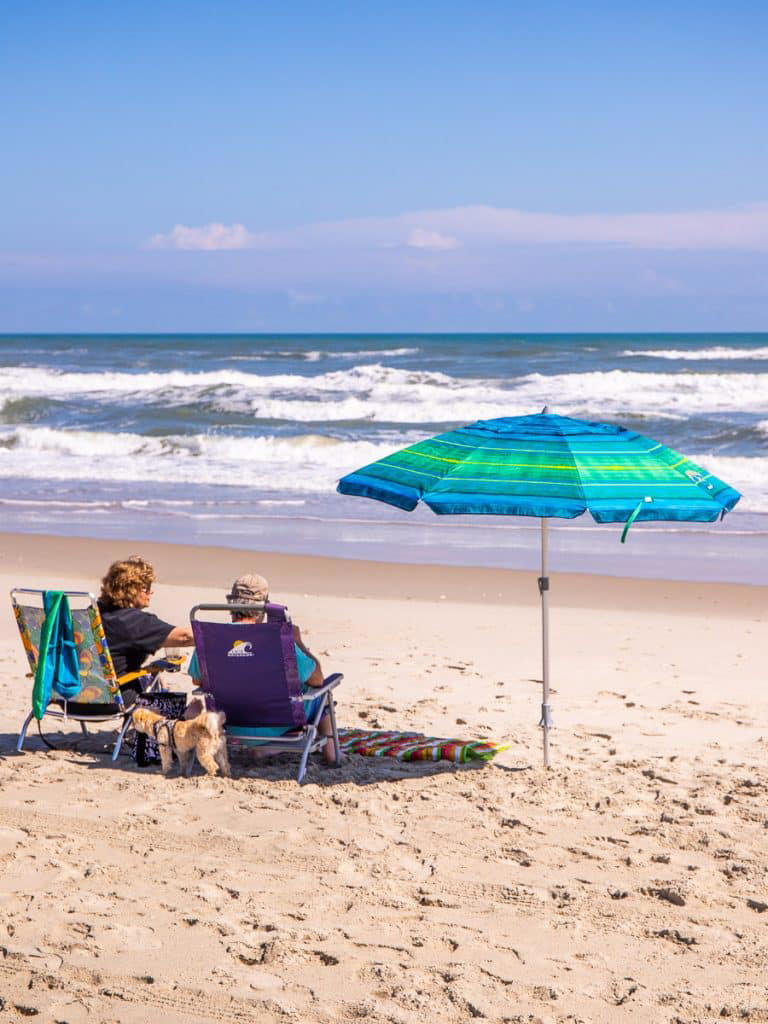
630,882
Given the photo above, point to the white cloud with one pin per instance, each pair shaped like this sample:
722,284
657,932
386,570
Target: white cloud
302,298
209,238
741,228
421,238
474,227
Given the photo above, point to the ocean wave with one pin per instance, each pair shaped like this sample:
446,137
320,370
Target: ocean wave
376,393
315,355
18,382
306,464
373,353
34,381
700,354
661,395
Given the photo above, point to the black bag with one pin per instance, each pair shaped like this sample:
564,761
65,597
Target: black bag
169,704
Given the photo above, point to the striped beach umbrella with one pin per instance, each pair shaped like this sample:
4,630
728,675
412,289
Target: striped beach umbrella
548,466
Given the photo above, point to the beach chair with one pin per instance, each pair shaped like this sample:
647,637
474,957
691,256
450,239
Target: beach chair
99,699
250,671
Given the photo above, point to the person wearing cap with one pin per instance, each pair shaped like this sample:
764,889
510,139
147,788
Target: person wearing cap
251,588
132,632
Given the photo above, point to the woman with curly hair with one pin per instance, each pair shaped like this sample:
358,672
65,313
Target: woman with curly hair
132,632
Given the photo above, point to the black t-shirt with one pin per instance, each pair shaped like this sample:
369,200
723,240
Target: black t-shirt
131,635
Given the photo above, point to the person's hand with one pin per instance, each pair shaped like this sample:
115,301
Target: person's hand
180,636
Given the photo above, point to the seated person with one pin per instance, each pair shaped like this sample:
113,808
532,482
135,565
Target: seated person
132,632
249,589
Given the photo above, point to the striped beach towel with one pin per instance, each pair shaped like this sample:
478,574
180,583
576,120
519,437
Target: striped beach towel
414,746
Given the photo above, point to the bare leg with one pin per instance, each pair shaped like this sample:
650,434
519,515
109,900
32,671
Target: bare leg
329,749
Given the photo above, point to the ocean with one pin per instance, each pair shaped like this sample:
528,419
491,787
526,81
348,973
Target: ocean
238,440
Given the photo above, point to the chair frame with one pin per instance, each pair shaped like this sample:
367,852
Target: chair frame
63,713
305,740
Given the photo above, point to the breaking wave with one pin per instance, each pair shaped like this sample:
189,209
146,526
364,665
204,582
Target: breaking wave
380,394
304,464
307,463
700,354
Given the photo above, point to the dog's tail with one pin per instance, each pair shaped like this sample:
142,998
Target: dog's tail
214,721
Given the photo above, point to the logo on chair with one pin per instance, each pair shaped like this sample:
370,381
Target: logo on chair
240,649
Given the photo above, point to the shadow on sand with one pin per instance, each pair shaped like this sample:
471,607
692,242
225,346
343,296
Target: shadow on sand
94,750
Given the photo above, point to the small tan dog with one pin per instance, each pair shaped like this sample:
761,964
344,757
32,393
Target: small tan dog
202,735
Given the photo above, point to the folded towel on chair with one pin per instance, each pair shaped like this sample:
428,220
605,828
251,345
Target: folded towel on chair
413,746
58,666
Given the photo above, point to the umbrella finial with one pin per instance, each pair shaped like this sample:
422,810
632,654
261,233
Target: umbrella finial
545,410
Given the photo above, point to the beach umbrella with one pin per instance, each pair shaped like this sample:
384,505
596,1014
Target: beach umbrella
548,466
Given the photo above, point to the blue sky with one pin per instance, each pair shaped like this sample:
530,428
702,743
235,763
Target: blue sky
349,166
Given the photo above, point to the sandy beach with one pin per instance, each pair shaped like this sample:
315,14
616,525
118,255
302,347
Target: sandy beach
629,882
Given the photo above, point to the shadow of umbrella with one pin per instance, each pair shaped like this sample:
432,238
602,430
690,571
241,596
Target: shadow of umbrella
551,467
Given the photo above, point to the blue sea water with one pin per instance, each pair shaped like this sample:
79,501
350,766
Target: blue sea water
238,440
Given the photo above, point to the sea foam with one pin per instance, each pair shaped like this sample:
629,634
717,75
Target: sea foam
304,464
718,352
376,393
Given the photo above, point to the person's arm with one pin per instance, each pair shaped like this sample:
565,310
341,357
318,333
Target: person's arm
180,636
317,678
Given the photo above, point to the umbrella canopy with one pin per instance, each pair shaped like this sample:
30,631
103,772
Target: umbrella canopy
545,465
548,466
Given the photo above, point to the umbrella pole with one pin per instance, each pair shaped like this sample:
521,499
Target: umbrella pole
546,714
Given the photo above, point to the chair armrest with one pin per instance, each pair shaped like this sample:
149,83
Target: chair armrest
171,663
313,692
128,677
152,669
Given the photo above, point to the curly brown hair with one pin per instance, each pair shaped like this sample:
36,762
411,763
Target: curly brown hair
125,580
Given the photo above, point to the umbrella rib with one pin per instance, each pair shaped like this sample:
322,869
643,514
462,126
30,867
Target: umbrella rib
405,469
539,451
505,465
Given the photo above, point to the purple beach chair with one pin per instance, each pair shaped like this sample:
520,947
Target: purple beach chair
250,670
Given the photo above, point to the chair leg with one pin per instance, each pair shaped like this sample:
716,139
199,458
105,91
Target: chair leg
305,754
334,730
121,735
23,733
83,728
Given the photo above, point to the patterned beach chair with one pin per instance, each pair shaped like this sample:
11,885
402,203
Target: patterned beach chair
99,699
250,671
